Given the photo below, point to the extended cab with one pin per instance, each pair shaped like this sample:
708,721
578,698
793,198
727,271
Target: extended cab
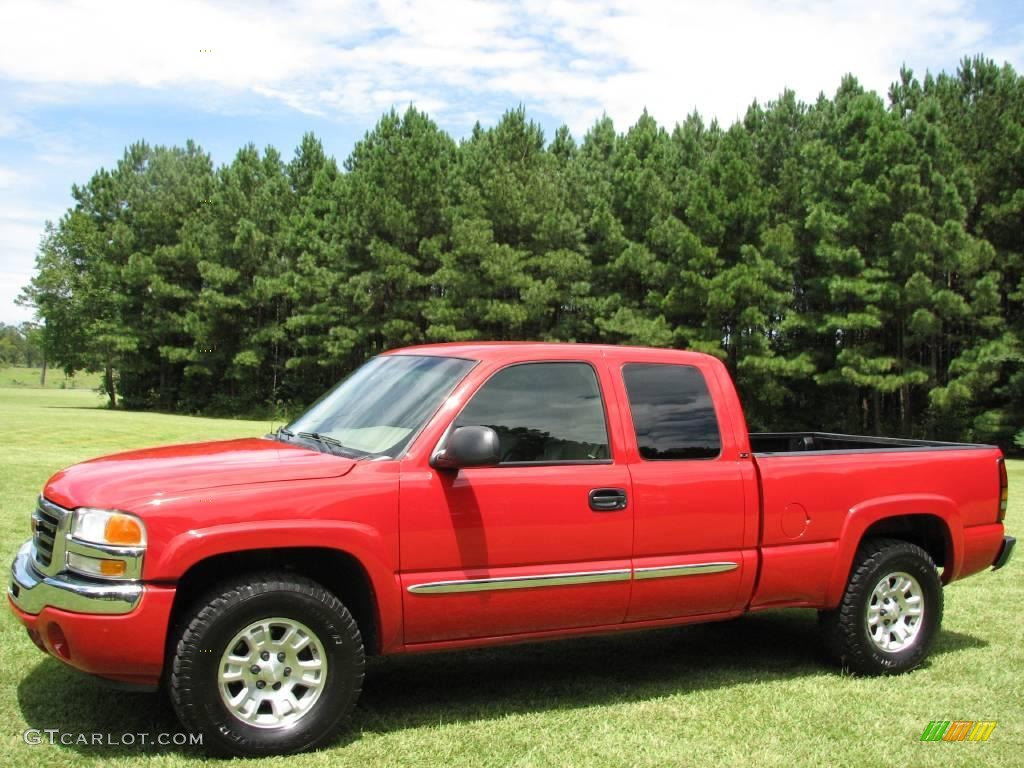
460,495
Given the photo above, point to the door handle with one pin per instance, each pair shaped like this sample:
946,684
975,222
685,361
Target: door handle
607,499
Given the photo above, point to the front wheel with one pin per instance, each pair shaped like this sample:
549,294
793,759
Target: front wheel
268,664
891,610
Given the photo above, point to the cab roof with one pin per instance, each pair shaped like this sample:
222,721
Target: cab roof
506,351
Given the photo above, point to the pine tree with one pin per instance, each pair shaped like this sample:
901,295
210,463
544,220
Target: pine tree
858,264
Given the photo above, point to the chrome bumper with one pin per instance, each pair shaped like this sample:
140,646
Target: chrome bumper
31,591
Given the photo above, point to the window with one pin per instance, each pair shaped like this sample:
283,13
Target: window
672,412
542,412
381,407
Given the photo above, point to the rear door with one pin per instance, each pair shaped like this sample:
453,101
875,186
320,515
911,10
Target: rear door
521,547
690,492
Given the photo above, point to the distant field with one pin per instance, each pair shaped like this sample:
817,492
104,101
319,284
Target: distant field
19,376
752,692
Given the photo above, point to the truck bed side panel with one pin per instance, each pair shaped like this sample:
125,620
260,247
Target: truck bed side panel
816,507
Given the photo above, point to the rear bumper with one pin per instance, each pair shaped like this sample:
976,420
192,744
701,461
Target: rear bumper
1005,552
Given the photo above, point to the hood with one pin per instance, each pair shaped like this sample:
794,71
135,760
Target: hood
114,481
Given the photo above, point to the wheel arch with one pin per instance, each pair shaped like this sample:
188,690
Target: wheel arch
930,521
338,571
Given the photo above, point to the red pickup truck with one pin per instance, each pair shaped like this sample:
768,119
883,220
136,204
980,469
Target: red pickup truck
461,495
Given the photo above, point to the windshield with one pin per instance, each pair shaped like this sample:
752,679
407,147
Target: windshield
380,408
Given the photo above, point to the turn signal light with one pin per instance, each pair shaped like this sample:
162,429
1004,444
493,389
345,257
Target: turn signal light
96,566
121,529
108,527
112,567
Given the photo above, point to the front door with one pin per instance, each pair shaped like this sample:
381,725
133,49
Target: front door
525,546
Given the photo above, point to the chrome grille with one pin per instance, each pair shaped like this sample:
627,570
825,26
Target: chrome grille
46,522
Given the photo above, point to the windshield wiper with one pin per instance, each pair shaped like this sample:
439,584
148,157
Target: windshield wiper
333,442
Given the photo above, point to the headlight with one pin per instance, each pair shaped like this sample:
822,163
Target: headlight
105,543
106,527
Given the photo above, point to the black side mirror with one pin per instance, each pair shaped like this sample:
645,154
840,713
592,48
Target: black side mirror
469,447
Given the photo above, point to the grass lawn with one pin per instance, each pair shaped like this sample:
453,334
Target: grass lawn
750,692
19,376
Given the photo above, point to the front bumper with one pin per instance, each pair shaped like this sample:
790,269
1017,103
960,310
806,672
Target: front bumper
114,631
1005,552
31,591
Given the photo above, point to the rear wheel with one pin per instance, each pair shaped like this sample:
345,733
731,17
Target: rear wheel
890,612
269,664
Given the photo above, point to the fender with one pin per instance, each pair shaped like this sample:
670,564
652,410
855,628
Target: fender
862,516
361,541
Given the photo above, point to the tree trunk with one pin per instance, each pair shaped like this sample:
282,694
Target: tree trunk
162,386
108,382
905,410
904,386
42,376
273,382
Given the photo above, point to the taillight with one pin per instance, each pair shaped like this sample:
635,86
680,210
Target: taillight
1003,490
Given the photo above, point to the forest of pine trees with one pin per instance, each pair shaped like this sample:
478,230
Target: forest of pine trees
857,262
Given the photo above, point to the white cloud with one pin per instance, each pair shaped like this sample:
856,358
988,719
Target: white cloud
573,60
11,284
8,177
20,231
157,44
17,237
9,125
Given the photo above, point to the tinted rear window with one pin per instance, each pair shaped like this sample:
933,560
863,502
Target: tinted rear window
672,412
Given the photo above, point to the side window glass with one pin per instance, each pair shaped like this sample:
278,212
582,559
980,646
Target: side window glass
672,412
542,412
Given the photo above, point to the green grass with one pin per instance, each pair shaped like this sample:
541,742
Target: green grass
19,376
750,692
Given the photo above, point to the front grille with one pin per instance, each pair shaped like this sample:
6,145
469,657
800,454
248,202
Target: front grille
45,521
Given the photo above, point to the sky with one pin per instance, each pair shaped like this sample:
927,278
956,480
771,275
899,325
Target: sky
81,80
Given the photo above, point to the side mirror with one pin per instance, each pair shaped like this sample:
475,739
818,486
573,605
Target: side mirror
469,447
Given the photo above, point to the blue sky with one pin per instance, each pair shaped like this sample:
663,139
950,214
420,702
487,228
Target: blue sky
81,80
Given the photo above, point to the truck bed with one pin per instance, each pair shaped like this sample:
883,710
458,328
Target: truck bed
821,493
773,443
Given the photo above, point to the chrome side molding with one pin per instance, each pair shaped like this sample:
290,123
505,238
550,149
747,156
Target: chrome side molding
520,582
568,579
690,569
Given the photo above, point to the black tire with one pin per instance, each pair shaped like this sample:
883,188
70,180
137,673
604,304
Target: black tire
195,688
846,632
